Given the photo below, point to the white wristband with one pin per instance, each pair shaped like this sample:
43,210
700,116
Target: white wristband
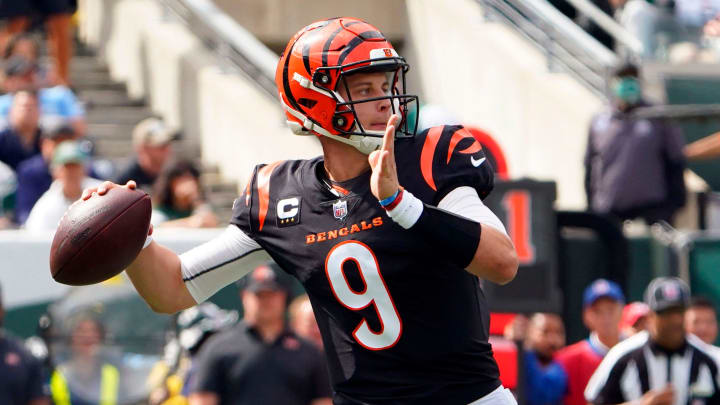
148,240
408,211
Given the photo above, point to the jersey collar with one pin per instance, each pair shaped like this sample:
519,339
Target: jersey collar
331,191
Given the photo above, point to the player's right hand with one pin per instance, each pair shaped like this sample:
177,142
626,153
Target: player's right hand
384,178
104,187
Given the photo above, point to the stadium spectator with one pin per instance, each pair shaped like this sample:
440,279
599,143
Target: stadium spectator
27,48
153,149
543,335
23,45
87,377
70,178
602,308
21,378
634,318
642,19
660,366
56,100
57,16
633,166
712,27
303,322
701,320
260,361
701,325
21,139
176,373
179,199
33,174
19,74
695,14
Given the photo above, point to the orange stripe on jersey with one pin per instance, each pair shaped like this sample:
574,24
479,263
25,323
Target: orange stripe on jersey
474,148
458,136
247,193
263,188
340,189
427,154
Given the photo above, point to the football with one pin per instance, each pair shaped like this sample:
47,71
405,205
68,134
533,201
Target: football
99,237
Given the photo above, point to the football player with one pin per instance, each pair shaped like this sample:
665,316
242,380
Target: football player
389,237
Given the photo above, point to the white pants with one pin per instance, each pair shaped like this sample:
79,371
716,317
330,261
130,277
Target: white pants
501,396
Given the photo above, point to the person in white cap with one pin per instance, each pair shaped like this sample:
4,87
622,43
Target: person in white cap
153,149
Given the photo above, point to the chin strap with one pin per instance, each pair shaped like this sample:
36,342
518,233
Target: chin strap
364,144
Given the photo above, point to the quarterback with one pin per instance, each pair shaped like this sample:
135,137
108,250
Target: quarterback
386,230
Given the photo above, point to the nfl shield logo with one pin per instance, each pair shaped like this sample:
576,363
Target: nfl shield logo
340,209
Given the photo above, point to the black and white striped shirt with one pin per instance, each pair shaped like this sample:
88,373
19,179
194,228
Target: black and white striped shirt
637,365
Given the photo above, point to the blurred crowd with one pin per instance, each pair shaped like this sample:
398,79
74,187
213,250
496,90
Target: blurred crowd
675,31
272,355
274,352
46,154
669,321
48,159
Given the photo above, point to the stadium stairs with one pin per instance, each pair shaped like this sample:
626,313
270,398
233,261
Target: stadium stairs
112,115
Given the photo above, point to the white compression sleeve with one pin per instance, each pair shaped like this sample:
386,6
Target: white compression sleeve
203,267
466,202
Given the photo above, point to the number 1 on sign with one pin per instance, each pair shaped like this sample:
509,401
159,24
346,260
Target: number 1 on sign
517,206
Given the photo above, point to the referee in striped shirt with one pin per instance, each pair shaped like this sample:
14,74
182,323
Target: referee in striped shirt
658,367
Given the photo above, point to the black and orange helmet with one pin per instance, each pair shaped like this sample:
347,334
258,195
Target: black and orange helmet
317,59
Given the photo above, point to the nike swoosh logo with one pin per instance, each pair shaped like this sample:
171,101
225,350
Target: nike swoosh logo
477,162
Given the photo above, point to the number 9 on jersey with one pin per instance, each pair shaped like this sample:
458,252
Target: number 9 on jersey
375,293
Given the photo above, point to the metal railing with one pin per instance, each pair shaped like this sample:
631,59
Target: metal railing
622,37
228,39
567,46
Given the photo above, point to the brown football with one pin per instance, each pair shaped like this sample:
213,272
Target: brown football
99,237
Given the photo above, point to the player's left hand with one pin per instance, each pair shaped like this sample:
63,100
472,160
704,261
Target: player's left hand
384,179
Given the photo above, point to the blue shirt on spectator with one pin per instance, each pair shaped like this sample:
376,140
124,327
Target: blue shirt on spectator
545,385
57,100
12,150
33,179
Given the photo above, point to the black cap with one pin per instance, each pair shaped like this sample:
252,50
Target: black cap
665,293
265,277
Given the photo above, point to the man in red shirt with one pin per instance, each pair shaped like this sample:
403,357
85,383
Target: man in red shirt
603,303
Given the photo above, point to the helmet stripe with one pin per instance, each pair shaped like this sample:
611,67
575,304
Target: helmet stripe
357,41
286,81
326,46
306,58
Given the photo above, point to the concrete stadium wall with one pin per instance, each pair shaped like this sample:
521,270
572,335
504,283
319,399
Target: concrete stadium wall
224,115
274,21
25,276
492,78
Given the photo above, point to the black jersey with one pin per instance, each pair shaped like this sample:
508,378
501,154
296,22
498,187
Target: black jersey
400,322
